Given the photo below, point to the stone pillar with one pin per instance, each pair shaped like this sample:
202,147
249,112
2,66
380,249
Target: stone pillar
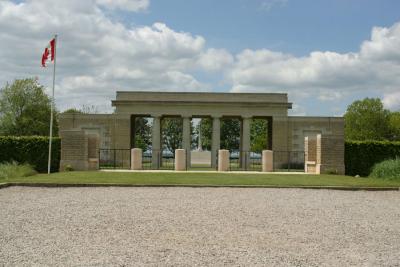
215,143
180,160
93,148
310,154
136,159
245,142
280,141
267,161
223,160
330,154
156,142
186,138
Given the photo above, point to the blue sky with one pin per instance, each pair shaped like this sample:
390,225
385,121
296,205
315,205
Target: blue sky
324,54
295,27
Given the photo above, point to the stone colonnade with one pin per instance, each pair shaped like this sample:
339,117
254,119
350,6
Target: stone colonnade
215,136
115,131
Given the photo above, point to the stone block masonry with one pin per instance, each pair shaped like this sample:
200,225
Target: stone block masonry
330,154
285,133
78,150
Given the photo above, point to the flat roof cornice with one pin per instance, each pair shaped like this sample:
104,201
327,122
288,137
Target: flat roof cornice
273,99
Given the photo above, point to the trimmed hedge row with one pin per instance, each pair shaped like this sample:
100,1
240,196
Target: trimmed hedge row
361,156
30,149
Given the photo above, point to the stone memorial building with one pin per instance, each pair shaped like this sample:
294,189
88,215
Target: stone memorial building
84,136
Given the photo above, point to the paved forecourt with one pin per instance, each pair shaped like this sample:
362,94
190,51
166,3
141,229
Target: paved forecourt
198,226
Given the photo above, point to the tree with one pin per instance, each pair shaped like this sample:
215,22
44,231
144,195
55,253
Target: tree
73,110
366,120
142,133
230,134
89,109
85,109
258,135
25,109
205,126
394,126
172,133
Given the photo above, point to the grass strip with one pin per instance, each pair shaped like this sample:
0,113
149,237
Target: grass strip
206,179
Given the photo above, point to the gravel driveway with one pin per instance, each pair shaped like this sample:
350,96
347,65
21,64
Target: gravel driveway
198,226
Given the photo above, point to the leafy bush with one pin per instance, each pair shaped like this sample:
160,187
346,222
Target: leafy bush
13,170
388,169
68,168
361,156
32,150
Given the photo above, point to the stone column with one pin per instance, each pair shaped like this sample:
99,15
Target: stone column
180,160
215,142
136,159
186,138
267,161
330,154
223,160
245,153
156,142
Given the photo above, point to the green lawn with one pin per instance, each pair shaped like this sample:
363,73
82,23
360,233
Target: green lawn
187,178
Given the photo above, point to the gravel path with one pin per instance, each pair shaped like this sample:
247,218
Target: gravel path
198,226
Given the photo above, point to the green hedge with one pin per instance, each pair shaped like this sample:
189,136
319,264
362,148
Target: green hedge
30,149
361,156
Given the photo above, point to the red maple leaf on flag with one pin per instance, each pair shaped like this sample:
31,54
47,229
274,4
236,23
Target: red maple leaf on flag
49,50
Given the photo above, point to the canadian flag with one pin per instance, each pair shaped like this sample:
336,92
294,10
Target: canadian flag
49,51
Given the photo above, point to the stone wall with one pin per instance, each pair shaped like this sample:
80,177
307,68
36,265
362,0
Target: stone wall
289,133
300,127
74,150
79,150
330,154
310,149
112,129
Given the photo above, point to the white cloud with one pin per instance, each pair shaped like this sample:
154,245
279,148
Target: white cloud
269,4
392,100
326,75
215,59
96,55
384,44
297,110
131,5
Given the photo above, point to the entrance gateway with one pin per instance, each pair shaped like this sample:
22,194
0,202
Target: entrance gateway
84,136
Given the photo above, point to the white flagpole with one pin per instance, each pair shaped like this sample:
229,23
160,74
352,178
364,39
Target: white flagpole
52,105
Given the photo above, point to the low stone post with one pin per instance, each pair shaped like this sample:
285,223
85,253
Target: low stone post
180,160
223,160
136,159
267,161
